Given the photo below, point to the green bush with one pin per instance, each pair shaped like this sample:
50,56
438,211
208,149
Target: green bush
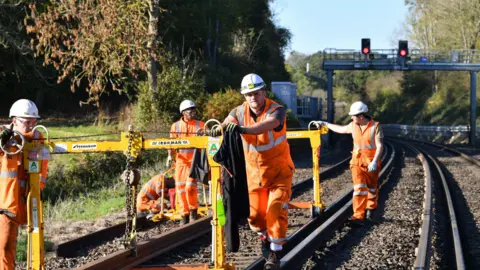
221,103
76,175
156,111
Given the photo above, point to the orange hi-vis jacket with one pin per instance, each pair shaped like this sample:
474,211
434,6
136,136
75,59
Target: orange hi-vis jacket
180,129
364,146
13,181
265,150
150,192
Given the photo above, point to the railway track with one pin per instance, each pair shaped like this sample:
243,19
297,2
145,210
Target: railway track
199,249
438,217
421,222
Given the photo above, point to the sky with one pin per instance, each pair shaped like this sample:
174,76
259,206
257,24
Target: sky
341,24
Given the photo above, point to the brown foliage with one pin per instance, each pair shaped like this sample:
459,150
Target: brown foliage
101,41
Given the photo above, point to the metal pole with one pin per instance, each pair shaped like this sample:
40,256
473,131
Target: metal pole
329,104
473,107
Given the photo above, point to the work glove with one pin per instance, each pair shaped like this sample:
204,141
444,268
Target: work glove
214,132
319,124
232,127
372,166
169,161
6,134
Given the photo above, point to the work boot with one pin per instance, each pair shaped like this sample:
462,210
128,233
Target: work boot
355,223
193,214
369,215
185,220
273,261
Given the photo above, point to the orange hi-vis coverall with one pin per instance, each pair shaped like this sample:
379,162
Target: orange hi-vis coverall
13,196
147,198
365,183
186,186
269,174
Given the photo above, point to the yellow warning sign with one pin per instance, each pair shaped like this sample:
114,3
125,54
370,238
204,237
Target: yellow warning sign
33,167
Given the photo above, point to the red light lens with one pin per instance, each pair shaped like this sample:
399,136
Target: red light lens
403,52
366,51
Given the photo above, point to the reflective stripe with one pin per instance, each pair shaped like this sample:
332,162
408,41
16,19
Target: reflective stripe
177,128
186,151
179,184
8,174
372,190
285,205
197,125
151,185
256,229
22,183
43,179
181,191
150,196
372,138
190,184
360,193
260,148
276,240
360,186
272,107
371,196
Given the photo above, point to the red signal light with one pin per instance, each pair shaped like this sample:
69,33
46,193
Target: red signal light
403,52
365,50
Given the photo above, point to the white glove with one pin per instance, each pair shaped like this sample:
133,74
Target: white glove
169,161
319,124
372,166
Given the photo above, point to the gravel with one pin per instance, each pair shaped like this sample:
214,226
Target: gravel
303,165
391,242
464,179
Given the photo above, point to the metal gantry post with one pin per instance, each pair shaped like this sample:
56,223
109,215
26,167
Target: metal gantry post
329,104
473,107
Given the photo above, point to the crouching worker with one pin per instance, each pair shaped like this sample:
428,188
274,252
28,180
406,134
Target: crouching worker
149,197
13,179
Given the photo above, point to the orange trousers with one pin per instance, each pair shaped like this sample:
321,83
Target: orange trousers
269,205
8,241
186,188
365,190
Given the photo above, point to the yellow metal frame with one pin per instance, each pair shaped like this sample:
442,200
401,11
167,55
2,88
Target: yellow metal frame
36,250
315,142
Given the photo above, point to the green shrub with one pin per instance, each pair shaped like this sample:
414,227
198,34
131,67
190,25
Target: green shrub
156,111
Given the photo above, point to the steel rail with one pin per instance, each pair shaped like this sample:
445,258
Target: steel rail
456,237
71,248
167,241
303,247
423,250
451,150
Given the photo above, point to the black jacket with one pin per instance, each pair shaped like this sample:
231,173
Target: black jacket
199,169
235,188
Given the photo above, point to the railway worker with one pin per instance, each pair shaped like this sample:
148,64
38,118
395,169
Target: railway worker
148,199
185,186
13,180
262,124
365,163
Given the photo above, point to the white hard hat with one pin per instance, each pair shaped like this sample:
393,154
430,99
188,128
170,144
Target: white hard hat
358,108
186,104
252,82
24,108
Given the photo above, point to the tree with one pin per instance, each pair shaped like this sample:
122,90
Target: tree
102,42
